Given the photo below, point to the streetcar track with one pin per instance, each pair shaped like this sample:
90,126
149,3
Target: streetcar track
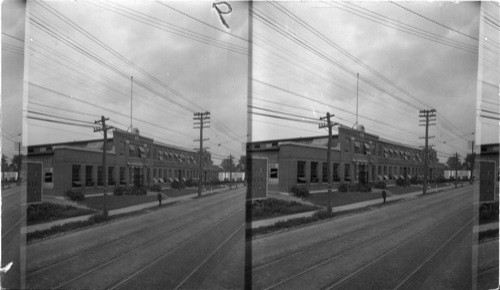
321,243
12,227
378,258
354,248
204,266
418,276
43,268
175,249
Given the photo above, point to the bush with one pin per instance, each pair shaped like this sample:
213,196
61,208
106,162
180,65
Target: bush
400,182
414,180
380,185
441,179
136,191
343,187
119,191
191,183
155,187
300,191
177,184
75,195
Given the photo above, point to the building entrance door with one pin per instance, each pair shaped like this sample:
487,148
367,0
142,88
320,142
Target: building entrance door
137,177
363,174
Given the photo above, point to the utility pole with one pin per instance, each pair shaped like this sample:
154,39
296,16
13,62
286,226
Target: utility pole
230,171
428,115
105,129
202,118
329,125
19,162
456,168
471,144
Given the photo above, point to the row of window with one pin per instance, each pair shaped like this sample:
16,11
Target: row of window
83,175
140,151
360,170
383,151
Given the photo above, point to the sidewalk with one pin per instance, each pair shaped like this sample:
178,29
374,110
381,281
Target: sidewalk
347,207
130,209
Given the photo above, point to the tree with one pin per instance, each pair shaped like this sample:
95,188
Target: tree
453,162
5,163
468,162
206,156
242,164
433,159
228,165
16,162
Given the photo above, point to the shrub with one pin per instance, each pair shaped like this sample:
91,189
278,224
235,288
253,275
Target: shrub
136,191
98,218
177,184
441,179
119,191
300,191
400,182
380,185
191,182
75,195
343,187
414,180
155,187
322,214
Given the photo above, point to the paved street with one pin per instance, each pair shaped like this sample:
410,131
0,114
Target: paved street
12,220
415,244
181,246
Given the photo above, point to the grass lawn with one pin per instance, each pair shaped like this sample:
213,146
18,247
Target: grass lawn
403,190
115,202
46,212
343,198
269,208
175,193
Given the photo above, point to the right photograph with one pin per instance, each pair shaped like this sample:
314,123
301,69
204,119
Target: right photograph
373,152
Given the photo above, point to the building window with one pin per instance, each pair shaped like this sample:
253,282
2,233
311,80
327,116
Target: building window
99,176
347,172
154,172
335,173
88,175
273,173
314,172
75,176
301,172
121,148
48,177
111,179
348,143
122,176
325,172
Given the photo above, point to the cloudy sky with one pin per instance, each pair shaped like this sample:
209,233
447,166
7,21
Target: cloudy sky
409,55
81,56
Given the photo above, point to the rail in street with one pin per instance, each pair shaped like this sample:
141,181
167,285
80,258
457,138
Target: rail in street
135,250
395,246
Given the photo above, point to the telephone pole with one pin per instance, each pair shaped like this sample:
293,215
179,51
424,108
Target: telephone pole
202,119
471,144
230,171
105,129
456,168
329,125
427,115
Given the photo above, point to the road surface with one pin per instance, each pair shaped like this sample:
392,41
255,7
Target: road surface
197,244
423,243
12,221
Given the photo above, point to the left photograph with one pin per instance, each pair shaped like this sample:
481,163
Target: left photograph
135,124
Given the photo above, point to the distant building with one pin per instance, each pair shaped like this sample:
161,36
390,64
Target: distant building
357,157
131,160
462,174
235,176
488,172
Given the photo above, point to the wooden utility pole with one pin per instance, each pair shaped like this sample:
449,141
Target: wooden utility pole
202,118
105,129
230,171
329,125
428,115
471,144
456,168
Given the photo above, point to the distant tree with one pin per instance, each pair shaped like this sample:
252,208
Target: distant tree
16,161
228,165
5,163
433,159
206,156
454,162
468,162
242,163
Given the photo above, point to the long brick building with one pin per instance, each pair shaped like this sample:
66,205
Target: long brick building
131,159
357,156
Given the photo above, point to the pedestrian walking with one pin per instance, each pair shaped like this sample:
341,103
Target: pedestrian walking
384,195
160,197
